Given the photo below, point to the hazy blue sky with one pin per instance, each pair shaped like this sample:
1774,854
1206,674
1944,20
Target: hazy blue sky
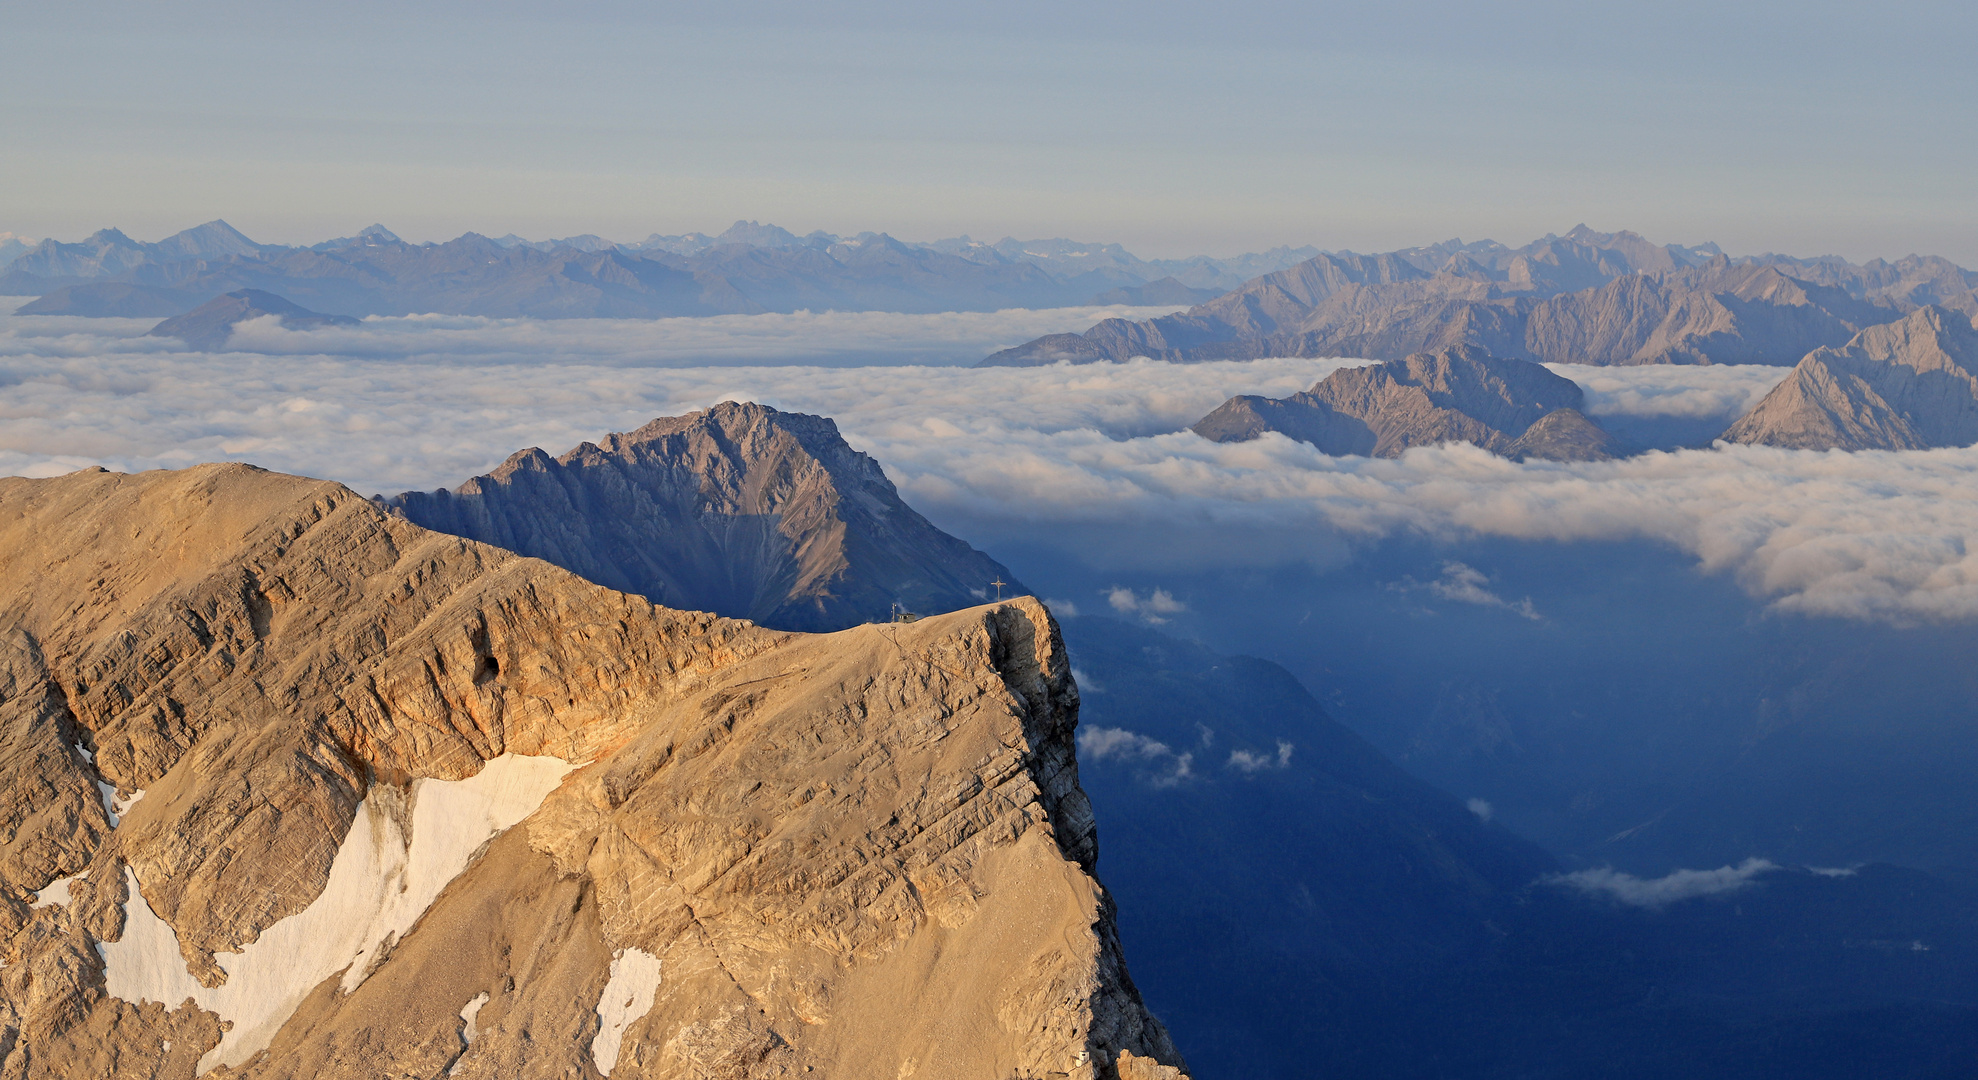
1806,127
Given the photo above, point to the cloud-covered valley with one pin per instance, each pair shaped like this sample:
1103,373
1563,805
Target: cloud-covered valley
1097,456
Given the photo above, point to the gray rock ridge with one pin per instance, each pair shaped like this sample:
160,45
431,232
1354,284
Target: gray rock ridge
211,324
1905,385
1589,298
740,509
1457,394
850,854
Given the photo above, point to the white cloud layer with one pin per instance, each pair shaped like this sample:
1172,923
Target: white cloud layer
1663,891
1465,584
1165,767
831,337
1247,761
1154,608
1673,390
1093,457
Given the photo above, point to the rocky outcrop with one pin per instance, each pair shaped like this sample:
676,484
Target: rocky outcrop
209,325
1564,435
1908,385
1452,395
740,509
298,788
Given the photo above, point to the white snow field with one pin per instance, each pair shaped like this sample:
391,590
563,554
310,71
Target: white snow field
625,999
381,881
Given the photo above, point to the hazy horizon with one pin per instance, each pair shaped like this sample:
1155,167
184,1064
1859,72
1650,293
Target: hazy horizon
716,230
1811,130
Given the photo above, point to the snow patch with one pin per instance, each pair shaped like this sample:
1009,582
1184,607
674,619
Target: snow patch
113,807
467,1032
382,880
57,891
626,998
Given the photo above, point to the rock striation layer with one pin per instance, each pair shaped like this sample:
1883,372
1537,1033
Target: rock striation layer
1907,385
556,830
1460,394
739,509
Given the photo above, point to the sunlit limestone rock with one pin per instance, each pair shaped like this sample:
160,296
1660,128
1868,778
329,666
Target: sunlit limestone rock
1451,395
417,806
1907,385
739,509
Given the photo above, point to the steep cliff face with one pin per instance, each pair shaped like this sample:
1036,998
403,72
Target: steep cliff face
1453,395
294,788
741,510
1907,385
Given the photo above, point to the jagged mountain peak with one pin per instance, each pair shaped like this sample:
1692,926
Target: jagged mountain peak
214,240
1910,384
740,509
1455,394
419,805
756,234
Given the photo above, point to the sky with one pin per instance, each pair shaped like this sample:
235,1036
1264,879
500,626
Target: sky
1809,128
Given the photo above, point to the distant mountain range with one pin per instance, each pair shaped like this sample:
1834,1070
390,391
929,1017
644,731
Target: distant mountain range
1583,298
751,268
1911,384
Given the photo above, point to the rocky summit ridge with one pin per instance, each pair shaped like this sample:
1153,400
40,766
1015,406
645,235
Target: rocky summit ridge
1906,385
1458,394
296,788
739,509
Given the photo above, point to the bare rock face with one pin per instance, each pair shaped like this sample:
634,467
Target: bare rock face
740,510
296,788
1907,385
1460,394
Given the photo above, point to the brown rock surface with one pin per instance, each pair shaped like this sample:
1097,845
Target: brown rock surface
860,854
1907,385
739,509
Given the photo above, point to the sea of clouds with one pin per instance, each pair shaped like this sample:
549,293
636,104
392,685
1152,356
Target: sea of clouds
999,454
